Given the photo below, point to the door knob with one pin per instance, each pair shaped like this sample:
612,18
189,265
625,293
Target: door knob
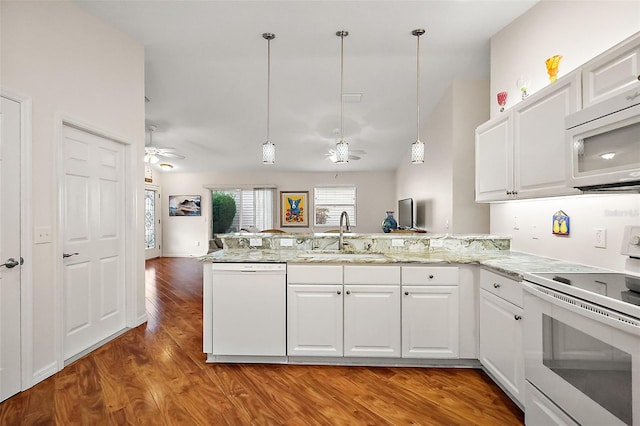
65,255
12,263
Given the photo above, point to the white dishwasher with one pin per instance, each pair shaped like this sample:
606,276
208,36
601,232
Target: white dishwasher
248,311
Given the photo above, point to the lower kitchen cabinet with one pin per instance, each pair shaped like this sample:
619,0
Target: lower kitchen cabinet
430,322
501,350
430,312
372,320
314,320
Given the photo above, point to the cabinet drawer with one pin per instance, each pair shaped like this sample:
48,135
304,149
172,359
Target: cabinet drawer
429,275
367,274
503,287
314,274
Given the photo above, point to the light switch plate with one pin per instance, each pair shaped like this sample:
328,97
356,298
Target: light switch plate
436,243
42,234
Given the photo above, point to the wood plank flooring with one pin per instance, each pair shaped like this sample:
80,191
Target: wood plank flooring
156,374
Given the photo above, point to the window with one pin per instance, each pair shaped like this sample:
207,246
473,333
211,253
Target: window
331,201
254,208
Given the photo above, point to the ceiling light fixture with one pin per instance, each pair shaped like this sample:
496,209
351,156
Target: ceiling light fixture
608,155
342,148
268,149
166,166
417,148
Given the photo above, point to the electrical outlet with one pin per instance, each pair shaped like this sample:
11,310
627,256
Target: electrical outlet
397,242
600,237
255,242
42,234
286,242
534,232
515,223
197,243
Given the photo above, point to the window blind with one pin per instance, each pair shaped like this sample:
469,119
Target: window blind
331,201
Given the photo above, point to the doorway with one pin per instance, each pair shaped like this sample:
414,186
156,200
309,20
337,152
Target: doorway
152,228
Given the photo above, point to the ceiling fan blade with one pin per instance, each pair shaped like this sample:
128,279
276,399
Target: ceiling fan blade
170,155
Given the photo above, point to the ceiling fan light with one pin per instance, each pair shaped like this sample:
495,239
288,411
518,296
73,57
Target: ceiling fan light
342,152
151,158
417,152
166,166
268,153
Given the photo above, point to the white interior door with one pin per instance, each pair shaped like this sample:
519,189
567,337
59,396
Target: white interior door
10,249
152,228
93,224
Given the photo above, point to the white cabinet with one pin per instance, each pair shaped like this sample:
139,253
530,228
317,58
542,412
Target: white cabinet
358,315
521,154
501,350
612,73
539,150
314,310
430,313
371,311
372,320
494,159
314,320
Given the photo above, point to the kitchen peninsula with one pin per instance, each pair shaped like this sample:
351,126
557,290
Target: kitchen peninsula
388,299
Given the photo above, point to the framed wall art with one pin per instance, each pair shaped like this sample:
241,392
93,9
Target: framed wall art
184,205
294,208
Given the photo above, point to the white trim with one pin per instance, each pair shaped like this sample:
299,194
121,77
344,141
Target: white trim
155,252
215,186
26,237
45,372
134,192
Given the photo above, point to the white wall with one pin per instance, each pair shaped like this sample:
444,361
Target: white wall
443,187
579,31
188,236
69,63
587,212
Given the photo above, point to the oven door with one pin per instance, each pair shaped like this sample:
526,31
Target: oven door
584,358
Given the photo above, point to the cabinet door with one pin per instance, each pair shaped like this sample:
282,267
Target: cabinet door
501,351
314,320
612,73
430,322
494,159
372,320
539,139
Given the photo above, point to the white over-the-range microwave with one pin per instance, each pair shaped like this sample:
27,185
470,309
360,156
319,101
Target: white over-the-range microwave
603,144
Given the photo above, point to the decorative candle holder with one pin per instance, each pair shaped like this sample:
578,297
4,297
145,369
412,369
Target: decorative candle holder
552,67
522,84
502,100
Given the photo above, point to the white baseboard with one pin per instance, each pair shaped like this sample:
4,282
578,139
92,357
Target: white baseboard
44,373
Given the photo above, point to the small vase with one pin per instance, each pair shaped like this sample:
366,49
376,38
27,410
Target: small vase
389,223
552,65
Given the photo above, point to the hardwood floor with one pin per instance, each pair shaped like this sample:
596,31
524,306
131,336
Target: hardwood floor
156,374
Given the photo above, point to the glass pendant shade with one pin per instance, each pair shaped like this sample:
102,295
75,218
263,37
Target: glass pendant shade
342,152
417,152
268,153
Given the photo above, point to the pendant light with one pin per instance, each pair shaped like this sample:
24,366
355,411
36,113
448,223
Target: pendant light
342,148
417,148
268,149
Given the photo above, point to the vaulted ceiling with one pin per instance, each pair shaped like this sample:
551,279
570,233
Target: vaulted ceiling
206,74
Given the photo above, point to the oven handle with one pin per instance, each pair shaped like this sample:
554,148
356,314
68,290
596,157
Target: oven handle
581,307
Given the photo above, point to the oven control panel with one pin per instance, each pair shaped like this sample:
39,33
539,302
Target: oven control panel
631,241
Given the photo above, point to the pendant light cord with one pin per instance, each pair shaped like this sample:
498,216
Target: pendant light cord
341,86
418,88
268,85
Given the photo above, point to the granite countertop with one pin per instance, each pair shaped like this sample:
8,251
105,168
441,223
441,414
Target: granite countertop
508,262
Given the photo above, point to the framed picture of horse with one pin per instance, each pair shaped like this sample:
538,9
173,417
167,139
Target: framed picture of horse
294,208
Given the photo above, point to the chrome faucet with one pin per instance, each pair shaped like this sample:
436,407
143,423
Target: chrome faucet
341,242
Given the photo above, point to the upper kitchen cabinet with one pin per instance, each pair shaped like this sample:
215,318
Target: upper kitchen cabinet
521,154
612,73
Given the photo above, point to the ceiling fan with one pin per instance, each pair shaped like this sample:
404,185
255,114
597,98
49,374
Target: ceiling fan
153,153
354,154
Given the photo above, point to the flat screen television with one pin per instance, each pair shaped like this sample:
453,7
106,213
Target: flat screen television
405,213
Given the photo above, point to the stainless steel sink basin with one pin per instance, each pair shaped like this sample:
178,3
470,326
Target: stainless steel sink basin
343,256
